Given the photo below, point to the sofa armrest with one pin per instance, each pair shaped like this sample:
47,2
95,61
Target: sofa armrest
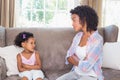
3,69
2,36
111,33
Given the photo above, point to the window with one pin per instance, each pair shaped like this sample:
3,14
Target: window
43,13
111,10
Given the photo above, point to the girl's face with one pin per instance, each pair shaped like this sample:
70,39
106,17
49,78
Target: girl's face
29,44
76,22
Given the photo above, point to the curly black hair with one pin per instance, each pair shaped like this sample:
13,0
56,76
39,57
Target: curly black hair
88,15
21,37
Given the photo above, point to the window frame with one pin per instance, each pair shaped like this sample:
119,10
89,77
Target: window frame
18,24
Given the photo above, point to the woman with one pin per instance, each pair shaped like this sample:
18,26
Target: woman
85,53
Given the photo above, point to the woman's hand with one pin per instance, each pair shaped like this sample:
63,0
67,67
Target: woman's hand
75,57
74,60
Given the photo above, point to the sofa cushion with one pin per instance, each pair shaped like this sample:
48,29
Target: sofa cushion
111,55
9,53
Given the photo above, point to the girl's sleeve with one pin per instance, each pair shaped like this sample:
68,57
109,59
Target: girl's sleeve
94,54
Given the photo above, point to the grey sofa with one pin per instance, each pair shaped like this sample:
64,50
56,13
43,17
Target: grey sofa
53,45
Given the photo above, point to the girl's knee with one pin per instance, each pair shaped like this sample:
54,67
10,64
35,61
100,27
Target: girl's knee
24,78
39,79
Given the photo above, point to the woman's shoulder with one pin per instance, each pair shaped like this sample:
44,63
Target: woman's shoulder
98,36
78,34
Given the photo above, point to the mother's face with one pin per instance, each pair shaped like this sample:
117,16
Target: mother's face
76,22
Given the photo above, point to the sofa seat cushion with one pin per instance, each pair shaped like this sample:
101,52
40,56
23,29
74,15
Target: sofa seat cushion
16,77
111,74
53,75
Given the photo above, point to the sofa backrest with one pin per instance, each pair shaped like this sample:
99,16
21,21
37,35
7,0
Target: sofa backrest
53,43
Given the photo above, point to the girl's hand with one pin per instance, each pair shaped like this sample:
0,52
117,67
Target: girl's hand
25,66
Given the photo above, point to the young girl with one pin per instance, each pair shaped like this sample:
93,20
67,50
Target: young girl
28,61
